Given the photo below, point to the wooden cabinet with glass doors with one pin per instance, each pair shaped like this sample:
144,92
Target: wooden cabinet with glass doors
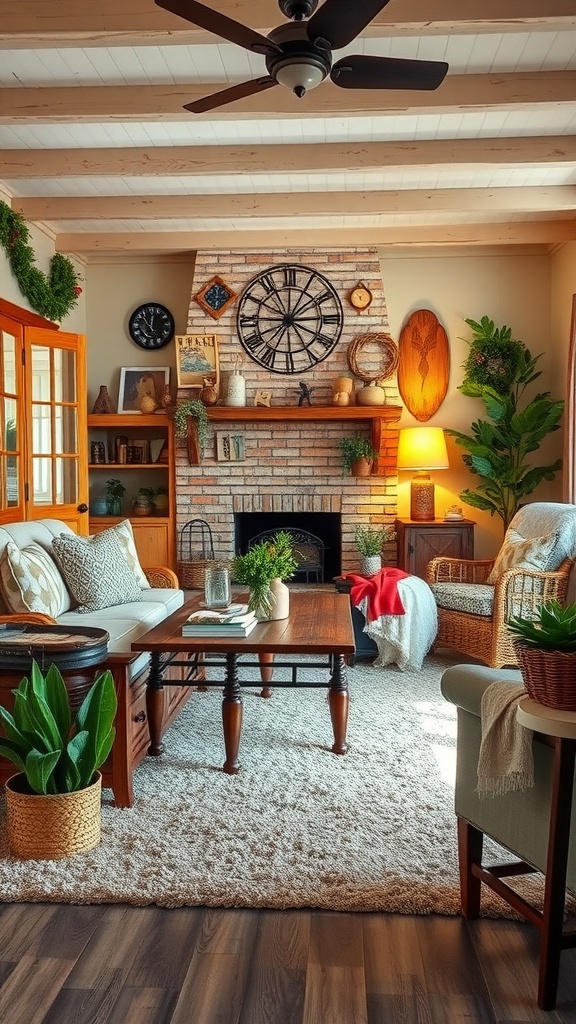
43,460
137,451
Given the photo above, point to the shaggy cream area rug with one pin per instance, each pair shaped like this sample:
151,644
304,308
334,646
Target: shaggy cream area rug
298,826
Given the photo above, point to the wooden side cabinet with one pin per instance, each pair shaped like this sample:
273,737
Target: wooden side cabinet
418,542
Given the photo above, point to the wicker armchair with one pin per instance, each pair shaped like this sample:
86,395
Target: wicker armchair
473,612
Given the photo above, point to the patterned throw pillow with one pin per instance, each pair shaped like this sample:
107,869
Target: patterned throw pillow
519,553
96,571
125,536
31,581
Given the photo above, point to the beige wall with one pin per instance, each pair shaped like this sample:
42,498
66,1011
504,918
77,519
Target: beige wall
513,290
114,290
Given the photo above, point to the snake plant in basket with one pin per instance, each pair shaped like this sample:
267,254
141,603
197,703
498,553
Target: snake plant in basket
546,651
53,804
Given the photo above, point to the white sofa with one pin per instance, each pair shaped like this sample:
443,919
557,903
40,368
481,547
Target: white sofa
160,596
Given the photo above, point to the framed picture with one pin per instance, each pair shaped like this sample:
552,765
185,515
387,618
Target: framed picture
229,447
197,360
138,382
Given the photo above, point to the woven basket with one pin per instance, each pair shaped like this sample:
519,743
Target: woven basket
52,826
549,676
195,554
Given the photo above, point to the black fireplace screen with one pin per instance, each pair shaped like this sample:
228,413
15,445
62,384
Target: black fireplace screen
317,538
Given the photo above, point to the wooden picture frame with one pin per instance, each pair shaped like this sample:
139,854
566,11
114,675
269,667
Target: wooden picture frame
229,447
197,360
215,297
138,381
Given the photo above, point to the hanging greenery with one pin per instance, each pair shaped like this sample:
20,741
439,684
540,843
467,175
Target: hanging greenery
53,297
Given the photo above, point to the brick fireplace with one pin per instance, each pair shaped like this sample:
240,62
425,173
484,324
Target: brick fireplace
290,466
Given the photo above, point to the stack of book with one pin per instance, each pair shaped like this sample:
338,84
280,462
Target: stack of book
235,620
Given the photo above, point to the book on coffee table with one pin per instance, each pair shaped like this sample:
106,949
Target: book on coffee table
208,622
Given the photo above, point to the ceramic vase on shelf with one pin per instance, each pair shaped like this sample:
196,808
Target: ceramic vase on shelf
148,404
236,393
103,403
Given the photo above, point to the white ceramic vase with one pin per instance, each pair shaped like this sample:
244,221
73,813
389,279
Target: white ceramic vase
236,394
280,603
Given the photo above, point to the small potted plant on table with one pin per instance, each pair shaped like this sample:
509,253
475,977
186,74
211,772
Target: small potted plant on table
263,569
370,540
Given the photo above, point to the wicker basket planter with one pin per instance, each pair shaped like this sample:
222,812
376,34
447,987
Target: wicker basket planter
549,676
53,826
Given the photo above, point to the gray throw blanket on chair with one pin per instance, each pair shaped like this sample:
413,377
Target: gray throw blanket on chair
505,762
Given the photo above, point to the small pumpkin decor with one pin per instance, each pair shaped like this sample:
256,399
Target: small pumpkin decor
546,652
53,803
263,568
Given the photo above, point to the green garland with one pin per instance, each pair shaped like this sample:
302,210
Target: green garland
52,297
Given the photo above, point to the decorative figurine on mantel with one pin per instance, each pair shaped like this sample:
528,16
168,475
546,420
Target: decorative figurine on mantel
305,397
263,397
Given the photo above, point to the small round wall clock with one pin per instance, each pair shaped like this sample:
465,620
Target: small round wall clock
289,318
151,325
360,297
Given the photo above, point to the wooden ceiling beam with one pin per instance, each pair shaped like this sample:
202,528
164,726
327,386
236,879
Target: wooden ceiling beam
502,233
457,94
66,23
182,161
293,204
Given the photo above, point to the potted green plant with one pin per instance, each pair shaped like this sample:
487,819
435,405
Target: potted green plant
546,650
114,492
263,568
370,540
358,455
194,410
160,499
498,370
53,803
143,503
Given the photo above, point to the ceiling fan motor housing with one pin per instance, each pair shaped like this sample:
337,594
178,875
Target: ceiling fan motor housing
298,10
300,65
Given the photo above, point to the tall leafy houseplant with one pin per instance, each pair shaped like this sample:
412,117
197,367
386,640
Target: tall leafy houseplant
498,371
269,560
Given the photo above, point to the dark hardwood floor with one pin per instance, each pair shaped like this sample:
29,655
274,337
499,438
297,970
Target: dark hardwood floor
148,965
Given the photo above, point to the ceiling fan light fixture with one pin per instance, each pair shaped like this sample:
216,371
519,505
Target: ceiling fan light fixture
300,76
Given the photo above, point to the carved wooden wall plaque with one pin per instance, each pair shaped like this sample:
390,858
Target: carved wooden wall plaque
423,364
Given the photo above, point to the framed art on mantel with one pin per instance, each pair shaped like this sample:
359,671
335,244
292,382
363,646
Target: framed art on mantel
197,360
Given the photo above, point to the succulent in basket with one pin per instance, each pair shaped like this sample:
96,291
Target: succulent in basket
554,628
55,753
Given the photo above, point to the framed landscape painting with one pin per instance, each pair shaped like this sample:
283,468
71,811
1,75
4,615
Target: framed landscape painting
197,360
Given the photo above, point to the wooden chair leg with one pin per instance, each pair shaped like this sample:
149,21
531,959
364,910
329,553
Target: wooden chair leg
470,844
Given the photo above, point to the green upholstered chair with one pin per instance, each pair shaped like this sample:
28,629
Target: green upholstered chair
518,821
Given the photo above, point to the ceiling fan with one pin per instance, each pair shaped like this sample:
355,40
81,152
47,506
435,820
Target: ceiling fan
298,55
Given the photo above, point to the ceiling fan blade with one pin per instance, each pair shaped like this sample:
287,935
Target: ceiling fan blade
235,92
219,24
340,21
359,72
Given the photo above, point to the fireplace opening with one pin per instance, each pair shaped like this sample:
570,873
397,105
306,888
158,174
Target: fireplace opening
326,526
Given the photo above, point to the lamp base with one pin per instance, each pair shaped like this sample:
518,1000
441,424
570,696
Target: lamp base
422,498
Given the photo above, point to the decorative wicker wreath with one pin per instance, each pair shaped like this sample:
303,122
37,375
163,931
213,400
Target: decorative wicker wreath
388,357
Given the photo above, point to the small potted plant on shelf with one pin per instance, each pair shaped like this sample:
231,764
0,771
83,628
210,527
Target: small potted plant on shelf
160,500
196,410
370,540
143,503
263,568
546,652
358,455
114,493
53,803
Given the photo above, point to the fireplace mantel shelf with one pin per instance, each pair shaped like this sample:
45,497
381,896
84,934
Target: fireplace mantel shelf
375,415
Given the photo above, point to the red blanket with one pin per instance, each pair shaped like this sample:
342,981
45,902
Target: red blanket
381,591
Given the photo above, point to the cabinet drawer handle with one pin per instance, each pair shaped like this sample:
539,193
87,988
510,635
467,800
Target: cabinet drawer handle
140,717
410,549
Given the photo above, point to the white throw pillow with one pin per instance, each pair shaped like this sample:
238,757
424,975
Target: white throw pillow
518,552
125,536
96,571
31,581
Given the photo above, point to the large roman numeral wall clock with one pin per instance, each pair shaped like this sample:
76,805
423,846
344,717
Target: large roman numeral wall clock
289,318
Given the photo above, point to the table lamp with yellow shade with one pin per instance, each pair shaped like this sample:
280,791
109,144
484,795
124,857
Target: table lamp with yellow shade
422,449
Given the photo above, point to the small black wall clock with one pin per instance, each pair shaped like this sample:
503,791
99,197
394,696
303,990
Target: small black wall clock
151,325
289,318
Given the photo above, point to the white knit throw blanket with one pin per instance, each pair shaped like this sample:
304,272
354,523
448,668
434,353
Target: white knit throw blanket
505,762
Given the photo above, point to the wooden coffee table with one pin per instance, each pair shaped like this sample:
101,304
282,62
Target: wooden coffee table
320,623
